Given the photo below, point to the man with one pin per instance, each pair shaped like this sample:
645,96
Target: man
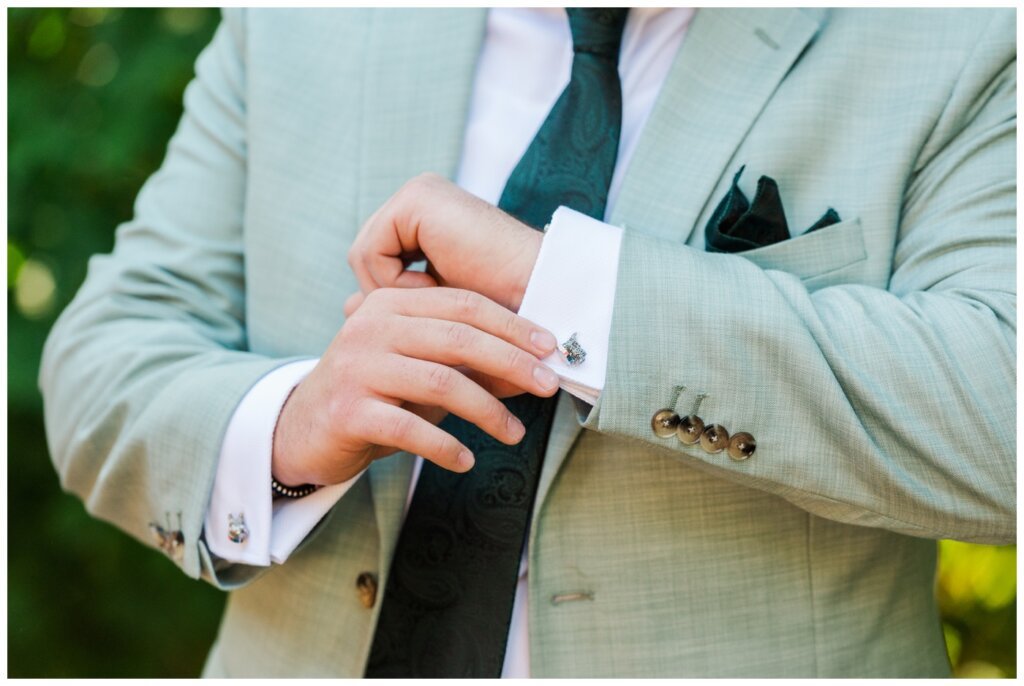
787,393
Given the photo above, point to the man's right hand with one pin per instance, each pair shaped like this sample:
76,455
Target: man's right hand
389,377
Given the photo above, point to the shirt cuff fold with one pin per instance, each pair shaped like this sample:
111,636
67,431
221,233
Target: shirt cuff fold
241,489
572,290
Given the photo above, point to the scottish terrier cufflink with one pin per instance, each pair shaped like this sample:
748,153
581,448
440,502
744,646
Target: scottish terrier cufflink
572,352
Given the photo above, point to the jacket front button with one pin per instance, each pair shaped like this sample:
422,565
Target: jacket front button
366,585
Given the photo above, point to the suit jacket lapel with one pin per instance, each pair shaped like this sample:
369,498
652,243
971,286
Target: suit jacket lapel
728,66
389,485
417,84
565,429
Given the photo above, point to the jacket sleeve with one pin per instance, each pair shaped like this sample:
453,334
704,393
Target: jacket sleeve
145,367
883,407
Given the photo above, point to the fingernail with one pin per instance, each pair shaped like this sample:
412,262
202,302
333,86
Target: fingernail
516,430
466,460
545,377
543,341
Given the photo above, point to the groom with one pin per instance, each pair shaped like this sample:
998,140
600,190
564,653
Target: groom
785,240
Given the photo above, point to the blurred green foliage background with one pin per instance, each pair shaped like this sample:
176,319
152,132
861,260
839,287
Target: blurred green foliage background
93,96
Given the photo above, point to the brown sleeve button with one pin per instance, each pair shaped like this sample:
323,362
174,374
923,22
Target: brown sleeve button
664,423
714,439
690,428
169,540
366,584
742,446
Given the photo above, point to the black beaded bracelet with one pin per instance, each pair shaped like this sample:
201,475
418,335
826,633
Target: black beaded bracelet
291,491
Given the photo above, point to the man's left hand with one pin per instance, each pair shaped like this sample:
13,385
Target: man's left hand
468,243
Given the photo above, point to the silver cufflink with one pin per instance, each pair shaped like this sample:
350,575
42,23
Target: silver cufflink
572,352
238,532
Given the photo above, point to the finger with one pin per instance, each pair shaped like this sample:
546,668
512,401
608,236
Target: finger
358,251
432,414
499,388
382,245
455,343
428,383
413,279
355,260
389,425
353,302
474,309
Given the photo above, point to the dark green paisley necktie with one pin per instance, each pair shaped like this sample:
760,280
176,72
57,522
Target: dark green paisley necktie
448,600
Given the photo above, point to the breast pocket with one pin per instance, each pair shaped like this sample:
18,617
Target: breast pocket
826,257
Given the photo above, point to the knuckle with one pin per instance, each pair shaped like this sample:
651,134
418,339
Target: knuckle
496,414
338,409
379,298
427,179
402,428
441,380
511,327
357,419
416,185
458,336
355,328
446,447
515,360
372,299
405,189
467,304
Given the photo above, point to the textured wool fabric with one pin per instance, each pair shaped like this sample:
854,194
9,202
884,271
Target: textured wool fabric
872,359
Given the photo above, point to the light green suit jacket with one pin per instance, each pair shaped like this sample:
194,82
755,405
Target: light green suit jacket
874,360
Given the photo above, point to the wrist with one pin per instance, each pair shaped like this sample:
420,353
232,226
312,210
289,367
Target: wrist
524,264
281,467
300,454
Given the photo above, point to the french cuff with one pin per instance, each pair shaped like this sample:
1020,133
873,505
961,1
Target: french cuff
241,498
572,290
295,518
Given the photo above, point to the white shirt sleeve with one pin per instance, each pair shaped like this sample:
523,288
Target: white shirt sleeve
572,290
241,487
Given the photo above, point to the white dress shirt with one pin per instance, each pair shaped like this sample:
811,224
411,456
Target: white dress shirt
524,66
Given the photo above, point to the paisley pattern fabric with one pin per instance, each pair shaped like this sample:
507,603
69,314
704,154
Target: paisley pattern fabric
571,160
448,600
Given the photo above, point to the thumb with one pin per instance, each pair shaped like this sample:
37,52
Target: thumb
412,279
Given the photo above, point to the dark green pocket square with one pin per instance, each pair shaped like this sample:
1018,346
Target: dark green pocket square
737,224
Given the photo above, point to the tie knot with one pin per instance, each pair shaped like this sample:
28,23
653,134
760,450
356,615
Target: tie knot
597,30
